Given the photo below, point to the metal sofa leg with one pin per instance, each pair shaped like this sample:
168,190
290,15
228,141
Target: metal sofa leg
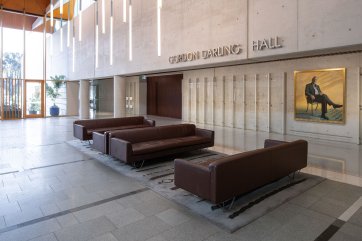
139,164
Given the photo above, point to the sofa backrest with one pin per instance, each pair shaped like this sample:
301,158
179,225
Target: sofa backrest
234,174
174,131
246,171
289,157
156,133
110,122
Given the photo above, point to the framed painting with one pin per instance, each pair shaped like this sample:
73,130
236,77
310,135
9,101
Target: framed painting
319,95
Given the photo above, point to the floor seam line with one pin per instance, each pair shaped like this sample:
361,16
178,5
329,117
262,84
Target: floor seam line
72,210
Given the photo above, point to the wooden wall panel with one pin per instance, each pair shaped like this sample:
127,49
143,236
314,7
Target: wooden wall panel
164,96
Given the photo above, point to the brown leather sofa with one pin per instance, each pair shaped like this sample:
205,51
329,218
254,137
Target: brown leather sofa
222,179
83,129
135,145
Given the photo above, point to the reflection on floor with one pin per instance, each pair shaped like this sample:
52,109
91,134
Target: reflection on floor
51,191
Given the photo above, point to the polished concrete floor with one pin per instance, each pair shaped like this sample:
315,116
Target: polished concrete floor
51,191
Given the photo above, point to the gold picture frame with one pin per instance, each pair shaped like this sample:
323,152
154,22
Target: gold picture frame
327,105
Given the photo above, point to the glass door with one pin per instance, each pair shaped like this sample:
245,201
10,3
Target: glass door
34,98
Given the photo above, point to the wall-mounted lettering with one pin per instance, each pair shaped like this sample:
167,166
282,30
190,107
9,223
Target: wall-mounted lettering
233,49
271,43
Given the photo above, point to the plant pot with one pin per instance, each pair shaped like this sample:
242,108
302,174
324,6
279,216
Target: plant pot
54,110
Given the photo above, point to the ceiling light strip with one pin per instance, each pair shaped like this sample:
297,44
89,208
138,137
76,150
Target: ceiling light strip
111,36
73,53
97,36
68,27
103,17
159,7
124,11
130,31
51,13
61,36
61,6
80,20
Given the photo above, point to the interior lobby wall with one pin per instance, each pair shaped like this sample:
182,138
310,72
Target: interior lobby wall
261,97
188,26
105,97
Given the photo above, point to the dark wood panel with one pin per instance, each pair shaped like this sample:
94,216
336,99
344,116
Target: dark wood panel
164,96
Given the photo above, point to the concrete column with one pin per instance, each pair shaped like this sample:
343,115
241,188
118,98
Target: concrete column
119,104
72,98
84,99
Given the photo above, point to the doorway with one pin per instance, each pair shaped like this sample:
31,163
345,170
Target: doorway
164,96
34,98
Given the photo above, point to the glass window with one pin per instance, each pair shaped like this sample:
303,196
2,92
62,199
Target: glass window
56,96
34,68
13,53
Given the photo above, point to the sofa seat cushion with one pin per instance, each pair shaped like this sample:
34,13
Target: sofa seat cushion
158,145
102,130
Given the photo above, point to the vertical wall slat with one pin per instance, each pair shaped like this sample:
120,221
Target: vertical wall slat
2,99
223,106
284,101
233,102
206,98
190,96
269,101
256,101
214,85
197,99
244,101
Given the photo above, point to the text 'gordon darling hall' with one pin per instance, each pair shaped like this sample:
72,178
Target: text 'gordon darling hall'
206,54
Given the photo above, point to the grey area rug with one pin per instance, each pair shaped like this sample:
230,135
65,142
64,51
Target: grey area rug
158,175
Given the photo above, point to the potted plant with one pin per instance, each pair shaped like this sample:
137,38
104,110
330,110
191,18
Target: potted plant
53,92
34,108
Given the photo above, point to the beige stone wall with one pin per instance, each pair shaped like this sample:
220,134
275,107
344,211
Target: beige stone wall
304,28
261,97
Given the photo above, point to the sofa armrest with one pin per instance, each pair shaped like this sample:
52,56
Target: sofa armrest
99,141
120,149
205,133
149,122
193,178
271,143
79,131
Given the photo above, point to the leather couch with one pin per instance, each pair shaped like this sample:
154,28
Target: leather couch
134,145
83,129
222,179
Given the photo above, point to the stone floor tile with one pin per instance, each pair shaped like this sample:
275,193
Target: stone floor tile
138,198
348,232
47,237
104,237
31,231
85,231
305,200
305,226
2,222
173,217
141,230
192,230
7,208
23,216
356,219
124,217
225,236
49,209
67,220
77,201
157,238
98,211
153,206
331,207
